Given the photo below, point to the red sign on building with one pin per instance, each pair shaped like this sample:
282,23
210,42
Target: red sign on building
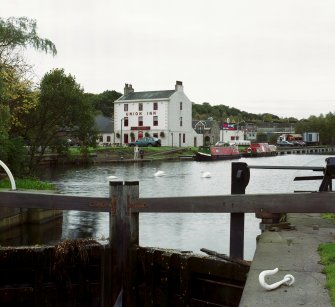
140,128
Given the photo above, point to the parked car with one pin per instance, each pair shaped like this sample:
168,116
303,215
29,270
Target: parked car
284,143
146,142
299,143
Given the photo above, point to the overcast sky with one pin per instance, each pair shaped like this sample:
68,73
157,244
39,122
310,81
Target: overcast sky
260,56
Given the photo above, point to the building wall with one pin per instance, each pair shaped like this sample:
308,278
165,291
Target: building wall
148,114
228,135
107,139
251,136
181,135
169,115
133,113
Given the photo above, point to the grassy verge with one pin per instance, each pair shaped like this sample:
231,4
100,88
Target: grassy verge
328,216
128,152
327,255
76,150
27,184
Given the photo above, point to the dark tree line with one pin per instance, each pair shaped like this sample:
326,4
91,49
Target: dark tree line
324,124
222,112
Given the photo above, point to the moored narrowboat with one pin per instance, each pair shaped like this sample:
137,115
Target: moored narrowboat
225,151
248,149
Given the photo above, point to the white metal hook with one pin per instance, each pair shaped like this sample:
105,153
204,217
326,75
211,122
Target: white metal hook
287,280
10,175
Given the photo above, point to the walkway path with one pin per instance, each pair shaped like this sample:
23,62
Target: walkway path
292,252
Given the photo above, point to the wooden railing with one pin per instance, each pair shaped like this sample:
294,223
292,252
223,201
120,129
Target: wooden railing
124,206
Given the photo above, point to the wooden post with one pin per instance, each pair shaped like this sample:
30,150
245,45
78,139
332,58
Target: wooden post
240,175
115,237
124,235
131,241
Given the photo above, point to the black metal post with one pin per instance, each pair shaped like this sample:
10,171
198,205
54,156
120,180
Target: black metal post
329,174
240,175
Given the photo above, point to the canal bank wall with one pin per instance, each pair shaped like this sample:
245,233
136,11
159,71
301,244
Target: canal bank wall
307,150
294,252
126,155
84,273
11,217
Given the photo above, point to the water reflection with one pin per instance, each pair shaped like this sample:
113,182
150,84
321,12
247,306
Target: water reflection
181,231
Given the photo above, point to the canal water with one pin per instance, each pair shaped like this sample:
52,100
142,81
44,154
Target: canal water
186,231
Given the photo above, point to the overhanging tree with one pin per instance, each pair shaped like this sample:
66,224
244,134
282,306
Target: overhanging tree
17,33
17,98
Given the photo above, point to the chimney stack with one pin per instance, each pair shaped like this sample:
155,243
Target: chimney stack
179,86
128,88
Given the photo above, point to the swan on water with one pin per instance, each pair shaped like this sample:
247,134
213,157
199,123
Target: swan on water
112,177
159,174
206,174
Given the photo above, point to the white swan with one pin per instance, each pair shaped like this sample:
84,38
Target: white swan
159,174
112,177
206,174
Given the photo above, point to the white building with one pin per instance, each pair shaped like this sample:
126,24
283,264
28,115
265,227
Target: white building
231,135
105,128
164,114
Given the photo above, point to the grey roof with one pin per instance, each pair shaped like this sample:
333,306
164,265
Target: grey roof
210,122
195,122
147,95
104,124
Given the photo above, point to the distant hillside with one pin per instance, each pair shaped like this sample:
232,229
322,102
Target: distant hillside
222,112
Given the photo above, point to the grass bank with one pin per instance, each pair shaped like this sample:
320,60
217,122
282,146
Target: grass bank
27,184
327,255
152,153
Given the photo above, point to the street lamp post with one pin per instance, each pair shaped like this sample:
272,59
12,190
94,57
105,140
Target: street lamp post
121,130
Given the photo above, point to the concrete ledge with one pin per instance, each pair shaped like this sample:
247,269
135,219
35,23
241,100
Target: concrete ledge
292,252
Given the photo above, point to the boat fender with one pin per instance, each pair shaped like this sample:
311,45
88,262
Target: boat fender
249,150
287,280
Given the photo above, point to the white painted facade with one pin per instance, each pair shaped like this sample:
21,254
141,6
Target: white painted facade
163,114
105,139
231,135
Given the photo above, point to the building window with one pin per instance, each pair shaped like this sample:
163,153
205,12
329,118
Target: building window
155,105
125,107
140,121
181,121
140,106
125,138
108,138
101,139
184,138
155,135
155,123
180,106
200,129
232,138
126,121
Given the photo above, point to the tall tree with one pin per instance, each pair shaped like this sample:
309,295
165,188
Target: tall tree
324,124
62,111
104,102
